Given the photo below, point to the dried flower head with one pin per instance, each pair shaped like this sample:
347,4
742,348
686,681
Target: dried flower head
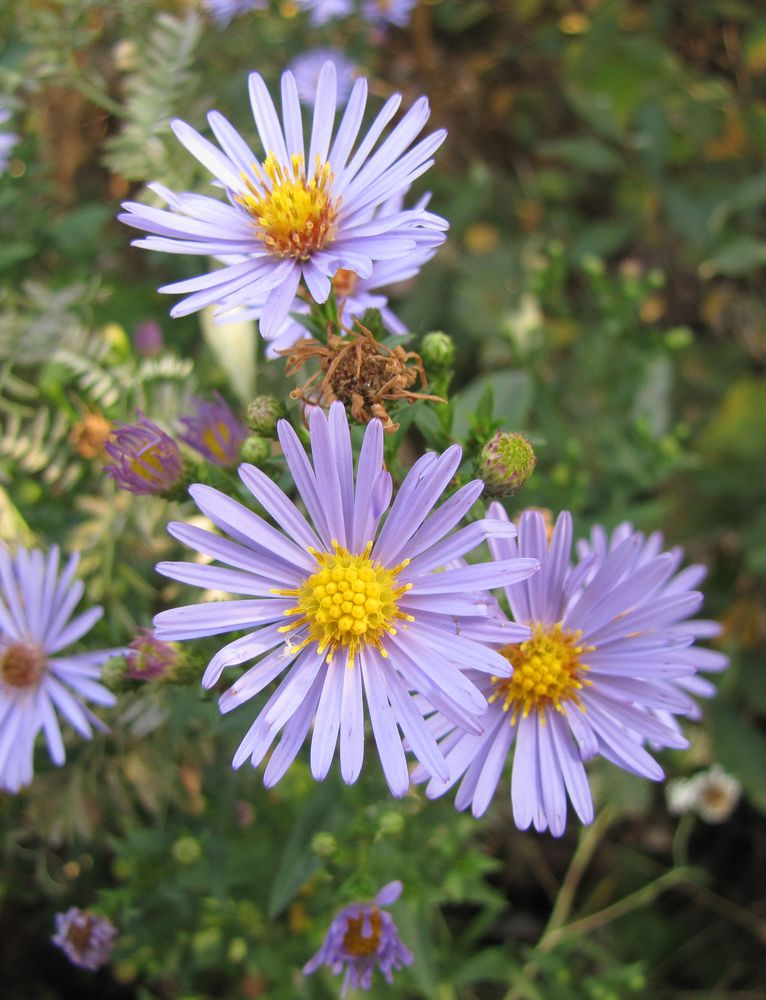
90,434
360,372
86,939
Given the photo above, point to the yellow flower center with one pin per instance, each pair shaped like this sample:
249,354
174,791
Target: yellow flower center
350,602
294,216
355,942
149,463
217,440
547,671
22,664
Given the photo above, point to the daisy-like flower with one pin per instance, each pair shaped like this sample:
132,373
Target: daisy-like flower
322,11
294,216
356,295
596,550
307,67
363,937
7,140
214,431
605,655
345,607
36,676
224,10
145,460
85,938
395,12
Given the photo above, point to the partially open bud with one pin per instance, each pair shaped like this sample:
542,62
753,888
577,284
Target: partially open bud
506,462
263,414
145,460
149,658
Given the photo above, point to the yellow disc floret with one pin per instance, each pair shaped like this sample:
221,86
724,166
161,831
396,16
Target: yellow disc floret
293,215
349,602
355,941
547,672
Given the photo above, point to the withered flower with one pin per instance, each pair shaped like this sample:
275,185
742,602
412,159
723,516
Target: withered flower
360,372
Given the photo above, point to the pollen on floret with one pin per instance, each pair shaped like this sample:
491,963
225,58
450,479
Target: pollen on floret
294,215
349,602
548,672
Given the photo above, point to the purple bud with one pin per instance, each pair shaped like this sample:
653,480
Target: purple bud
214,431
149,658
145,460
148,339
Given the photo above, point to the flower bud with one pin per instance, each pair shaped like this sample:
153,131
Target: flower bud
263,414
437,350
506,462
145,460
150,658
255,449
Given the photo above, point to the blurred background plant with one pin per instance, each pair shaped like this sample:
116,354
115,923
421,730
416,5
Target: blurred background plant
603,288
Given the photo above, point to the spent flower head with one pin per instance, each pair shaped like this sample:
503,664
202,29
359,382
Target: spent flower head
606,654
37,676
145,460
298,214
362,938
214,431
85,938
344,607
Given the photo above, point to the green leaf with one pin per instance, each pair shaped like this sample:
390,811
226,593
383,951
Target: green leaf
512,392
740,748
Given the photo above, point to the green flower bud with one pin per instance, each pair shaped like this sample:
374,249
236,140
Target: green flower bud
113,674
324,845
263,414
506,463
391,824
437,350
256,449
187,850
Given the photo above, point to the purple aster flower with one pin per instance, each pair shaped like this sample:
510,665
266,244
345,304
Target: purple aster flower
224,10
306,69
214,431
597,549
605,655
294,216
148,658
86,939
148,339
342,606
395,12
7,140
144,458
323,11
36,605
362,938
356,295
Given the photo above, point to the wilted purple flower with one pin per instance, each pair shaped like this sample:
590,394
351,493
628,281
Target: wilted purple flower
596,550
306,69
395,12
148,339
325,10
294,216
362,938
344,607
149,658
214,431
7,140
85,938
606,654
224,10
144,458
36,604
